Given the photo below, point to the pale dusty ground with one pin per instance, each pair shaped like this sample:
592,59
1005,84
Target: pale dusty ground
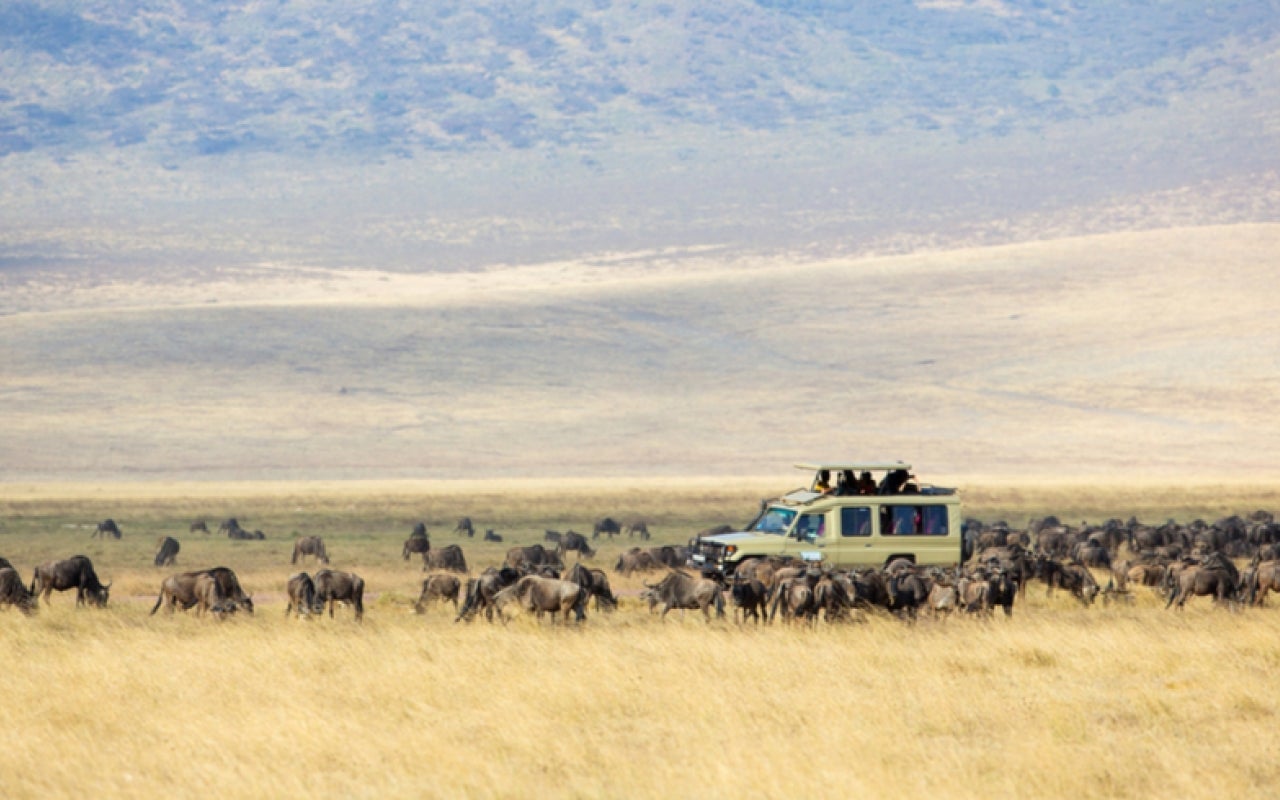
1139,355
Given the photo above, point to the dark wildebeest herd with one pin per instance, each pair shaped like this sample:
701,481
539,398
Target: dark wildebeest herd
1235,561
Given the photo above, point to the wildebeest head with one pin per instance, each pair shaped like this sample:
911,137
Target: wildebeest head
99,596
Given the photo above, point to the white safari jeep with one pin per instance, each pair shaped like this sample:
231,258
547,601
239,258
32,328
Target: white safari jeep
851,514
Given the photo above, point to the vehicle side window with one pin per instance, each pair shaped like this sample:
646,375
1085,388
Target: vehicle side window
899,520
810,527
855,522
935,520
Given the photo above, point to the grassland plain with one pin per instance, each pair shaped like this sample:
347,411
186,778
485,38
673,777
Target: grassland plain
1116,701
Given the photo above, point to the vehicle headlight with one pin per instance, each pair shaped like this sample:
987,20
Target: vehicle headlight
730,550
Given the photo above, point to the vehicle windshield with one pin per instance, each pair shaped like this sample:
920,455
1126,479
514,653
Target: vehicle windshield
775,520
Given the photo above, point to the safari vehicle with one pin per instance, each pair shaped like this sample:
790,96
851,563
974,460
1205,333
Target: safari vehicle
872,514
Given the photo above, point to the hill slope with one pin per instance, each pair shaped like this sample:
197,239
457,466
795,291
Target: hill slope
1130,354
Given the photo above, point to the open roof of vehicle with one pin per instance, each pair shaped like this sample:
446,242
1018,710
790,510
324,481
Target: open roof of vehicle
857,466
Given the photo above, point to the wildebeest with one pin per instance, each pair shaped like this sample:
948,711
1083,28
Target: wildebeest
72,573
13,592
419,530
552,536
1264,578
309,546
107,527
179,591
464,527
543,595
492,536
679,589
210,597
608,526
481,591
167,554
636,560
449,557
596,583
639,528
577,542
335,587
242,534
438,587
228,525
302,596
1216,576
198,525
4,563
534,555
751,597
417,544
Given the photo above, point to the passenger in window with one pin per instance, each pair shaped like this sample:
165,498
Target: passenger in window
866,484
822,483
847,484
894,481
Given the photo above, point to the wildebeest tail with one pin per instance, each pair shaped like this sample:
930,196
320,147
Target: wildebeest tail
719,604
159,600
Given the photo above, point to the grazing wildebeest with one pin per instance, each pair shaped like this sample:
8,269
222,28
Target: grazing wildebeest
534,555
228,525
1216,576
638,528
13,592
750,597
551,536
302,596
542,595
210,597
167,554
198,525
464,527
492,536
636,560
679,589
832,597
596,583
75,572
481,591
107,527
608,526
438,587
449,557
577,542
417,544
179,591
335,587
1077,579
244,535
305,546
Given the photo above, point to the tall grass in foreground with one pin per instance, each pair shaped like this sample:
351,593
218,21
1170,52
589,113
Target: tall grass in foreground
1057,702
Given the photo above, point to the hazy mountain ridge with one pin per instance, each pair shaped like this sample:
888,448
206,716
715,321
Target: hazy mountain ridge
201,78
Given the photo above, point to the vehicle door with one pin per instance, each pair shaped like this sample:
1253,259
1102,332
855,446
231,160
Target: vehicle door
852,543
809,538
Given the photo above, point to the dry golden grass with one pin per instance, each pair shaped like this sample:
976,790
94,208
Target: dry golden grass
1059,701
